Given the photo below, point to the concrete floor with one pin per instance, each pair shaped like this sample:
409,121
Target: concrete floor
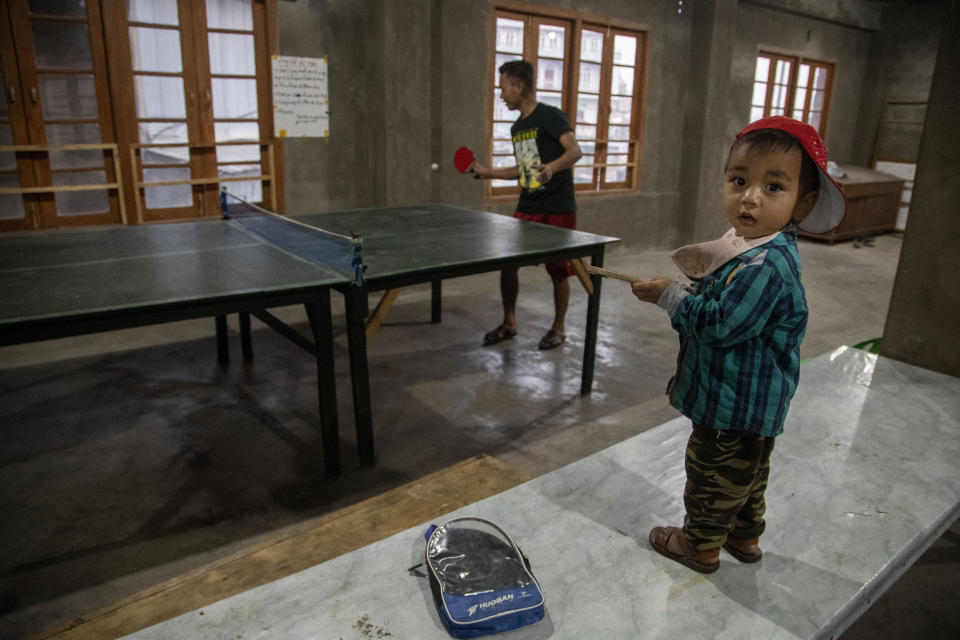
130,457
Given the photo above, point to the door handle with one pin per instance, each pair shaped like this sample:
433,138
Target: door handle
34,95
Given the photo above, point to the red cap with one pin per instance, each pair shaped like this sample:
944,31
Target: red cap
831,205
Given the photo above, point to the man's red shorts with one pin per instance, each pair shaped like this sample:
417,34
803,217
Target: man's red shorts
559,268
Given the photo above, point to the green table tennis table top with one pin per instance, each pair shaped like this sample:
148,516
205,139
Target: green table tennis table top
96,271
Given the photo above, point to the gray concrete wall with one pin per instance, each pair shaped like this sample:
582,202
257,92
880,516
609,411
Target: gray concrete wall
409,83
925,306
901,58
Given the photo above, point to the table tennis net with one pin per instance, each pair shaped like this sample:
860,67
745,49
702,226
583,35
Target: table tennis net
340,253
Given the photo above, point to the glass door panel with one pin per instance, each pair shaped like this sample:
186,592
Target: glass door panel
60,72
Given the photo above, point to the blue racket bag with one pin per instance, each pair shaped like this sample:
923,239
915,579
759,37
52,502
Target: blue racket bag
481,581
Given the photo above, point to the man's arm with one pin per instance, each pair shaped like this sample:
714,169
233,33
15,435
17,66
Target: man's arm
571,153
498,173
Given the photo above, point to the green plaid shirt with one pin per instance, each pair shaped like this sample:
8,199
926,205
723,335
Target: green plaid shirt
740,335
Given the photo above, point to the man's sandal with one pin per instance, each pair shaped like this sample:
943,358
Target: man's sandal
743,549
551,340
499,334
671,542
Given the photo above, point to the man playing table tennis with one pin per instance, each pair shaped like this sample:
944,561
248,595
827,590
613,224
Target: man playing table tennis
545,148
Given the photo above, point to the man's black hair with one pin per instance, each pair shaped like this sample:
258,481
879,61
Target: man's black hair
519,70
767,140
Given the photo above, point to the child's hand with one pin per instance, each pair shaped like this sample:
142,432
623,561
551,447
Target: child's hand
650,290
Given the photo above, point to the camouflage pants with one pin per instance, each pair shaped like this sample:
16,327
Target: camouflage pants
727,475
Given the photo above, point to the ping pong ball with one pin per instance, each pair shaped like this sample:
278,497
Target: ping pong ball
434,166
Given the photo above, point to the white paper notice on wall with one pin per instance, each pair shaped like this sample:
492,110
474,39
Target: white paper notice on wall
301,104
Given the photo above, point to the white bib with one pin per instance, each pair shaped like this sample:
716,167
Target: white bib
703,258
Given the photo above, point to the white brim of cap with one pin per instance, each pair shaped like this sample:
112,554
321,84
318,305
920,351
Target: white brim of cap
830,208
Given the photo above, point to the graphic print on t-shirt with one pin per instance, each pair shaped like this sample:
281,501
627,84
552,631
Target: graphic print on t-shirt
528,155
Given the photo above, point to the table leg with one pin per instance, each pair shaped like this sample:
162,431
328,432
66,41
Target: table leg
246,345
318,313
593,319
223,352
355,302
436,301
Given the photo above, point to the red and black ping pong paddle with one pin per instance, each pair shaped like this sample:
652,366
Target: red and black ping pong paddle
462,160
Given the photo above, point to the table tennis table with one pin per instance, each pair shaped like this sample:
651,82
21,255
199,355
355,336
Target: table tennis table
66,283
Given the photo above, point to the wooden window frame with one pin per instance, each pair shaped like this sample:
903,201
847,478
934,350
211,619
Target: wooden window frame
790,109
533,16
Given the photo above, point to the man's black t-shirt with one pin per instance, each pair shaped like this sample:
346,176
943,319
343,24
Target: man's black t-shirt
536,140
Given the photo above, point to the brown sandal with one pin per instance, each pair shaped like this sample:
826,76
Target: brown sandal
743,549
663,538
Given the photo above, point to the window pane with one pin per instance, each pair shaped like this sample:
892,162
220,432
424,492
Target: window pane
229,14
162,132
619,133
616,174
820,78
759,93
165,155
763,69
783,71
68,96
509,36
155,11
501,59
619,148
159,97
500,111
238,153
552,99
551,41
591,46
817,102
502,146
814,120
231,54
589,77
587,108
616,159
238,170
583,175
502,130
588,148
622,81
80,133
235,131
624,50
621,110
59,7
155,50
803,73
61,45
11,205
779,98
167,196
549,74
586,132
77,203
234,98
8,160
249,190
756,113
799,97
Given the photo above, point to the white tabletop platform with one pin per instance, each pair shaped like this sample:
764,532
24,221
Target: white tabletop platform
865,477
